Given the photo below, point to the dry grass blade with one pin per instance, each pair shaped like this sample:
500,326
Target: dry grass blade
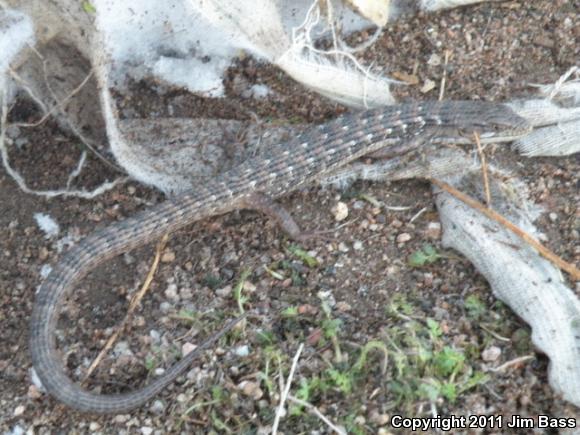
132,306
483,169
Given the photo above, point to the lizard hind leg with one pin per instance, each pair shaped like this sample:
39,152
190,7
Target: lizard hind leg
276,212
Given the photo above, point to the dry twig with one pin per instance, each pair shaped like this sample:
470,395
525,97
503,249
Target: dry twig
483,169
132,306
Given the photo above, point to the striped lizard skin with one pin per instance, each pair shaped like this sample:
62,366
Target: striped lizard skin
278,170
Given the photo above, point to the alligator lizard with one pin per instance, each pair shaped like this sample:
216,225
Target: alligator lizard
276,171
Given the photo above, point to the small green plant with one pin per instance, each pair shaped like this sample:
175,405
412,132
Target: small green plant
290,312
303,256
424,256
285,266
238,296
211,281
425,367
475,307
89,8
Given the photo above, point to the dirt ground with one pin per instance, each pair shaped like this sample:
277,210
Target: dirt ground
444,309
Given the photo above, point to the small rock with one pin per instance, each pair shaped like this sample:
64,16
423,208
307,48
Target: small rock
155,336
120,418
187,348
343,307
168,256
171,292
16,430
403,237
307,309
378,419
242,351
434,60
33,392
224,292
433,230
157,407
491,354
186,293
94,426
410,79
342,247
122,348
360,420
357,245
146,430
43,254
340,211
165,307
251,389
249,287
397,223
553,217
19,410
428,86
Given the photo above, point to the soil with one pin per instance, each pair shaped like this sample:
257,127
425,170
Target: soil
496,52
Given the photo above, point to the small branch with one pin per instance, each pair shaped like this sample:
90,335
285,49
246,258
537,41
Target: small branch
132,306
483,169
284,393
511,363
319,414
444,78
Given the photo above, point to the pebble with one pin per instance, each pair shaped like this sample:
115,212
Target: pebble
146,430
224,291
357,245
187,348
19,410
165,306
157,407
403,237
120,418
378,418
251,389
242,351
16,430
434,60
122,348
171,292
186,293
491,354
155,336
340,211
94,426
168,256
342,247
433,230
249,287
